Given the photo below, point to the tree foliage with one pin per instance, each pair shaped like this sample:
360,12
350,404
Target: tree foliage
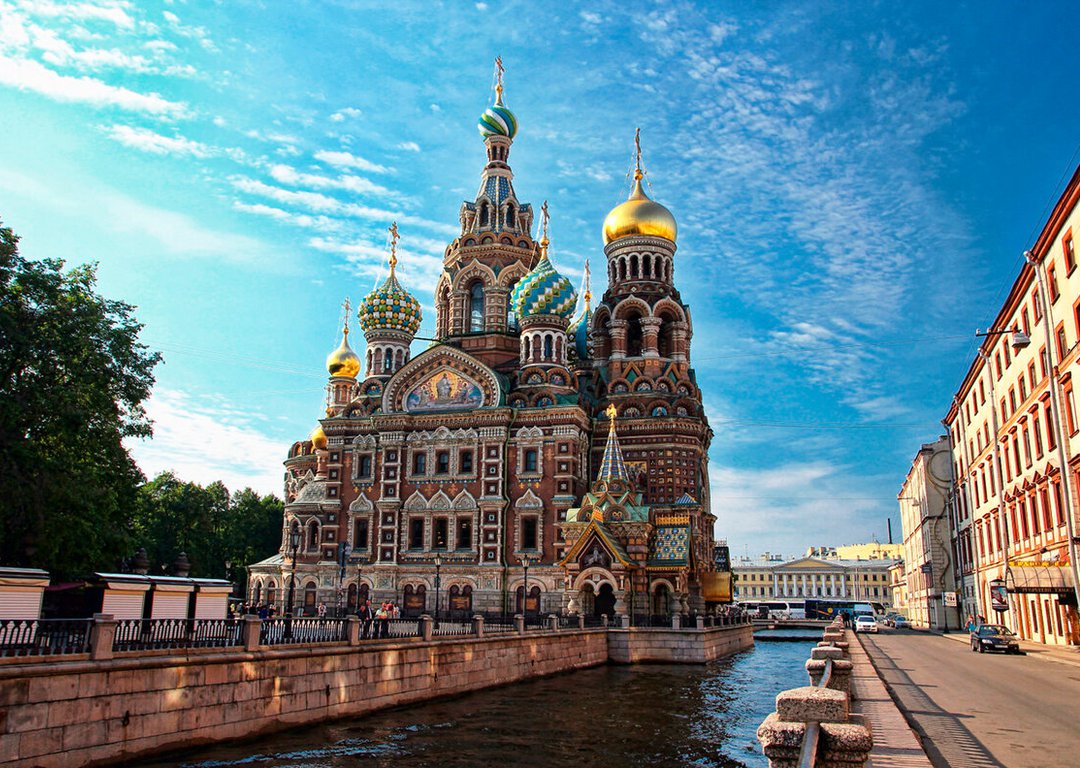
206,523
74,377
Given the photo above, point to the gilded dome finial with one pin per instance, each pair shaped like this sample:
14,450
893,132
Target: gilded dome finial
393,246
639,214
638,173
498,80
544,242
587,289
343,361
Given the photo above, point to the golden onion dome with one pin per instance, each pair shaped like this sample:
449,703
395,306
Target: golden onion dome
343,361
318,438
639,216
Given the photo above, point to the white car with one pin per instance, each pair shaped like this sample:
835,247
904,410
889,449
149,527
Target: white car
866,624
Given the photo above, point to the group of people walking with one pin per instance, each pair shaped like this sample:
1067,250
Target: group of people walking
376,621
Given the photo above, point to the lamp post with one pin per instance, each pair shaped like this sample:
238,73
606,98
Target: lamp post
1019,341
294,545
1059,427
438,585
525,562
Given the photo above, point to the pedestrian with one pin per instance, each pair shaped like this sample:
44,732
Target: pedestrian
382,620
322,611
366,616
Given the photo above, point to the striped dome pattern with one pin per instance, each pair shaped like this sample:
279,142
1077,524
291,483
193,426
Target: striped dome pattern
390,308
579,332
497,120
544,292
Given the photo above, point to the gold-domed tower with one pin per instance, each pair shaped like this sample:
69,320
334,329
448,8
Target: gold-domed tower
343,365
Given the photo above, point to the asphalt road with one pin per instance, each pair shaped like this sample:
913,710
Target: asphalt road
978,710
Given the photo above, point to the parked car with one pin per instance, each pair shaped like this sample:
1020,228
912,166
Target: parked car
866,624
890,618
994,637
900,622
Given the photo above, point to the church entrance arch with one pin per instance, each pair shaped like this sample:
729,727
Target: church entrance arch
605,601
588,600
661,602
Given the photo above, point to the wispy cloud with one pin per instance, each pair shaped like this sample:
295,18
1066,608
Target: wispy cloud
203,438
349,160
288,175
149,141
28,75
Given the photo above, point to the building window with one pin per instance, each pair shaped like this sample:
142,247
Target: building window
465,461
529,532
416,533
360,535
1051,278
464,534
1051,440
1037,428
1070,409
419,463
1062,343
442,463
1036,306
529,461
1070,254
364,469
476,307
441,533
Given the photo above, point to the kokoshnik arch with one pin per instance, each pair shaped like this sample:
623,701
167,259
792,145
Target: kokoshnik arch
536,426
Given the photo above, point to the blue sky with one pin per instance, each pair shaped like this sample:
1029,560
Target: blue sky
854,185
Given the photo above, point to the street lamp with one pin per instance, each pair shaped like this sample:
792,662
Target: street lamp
438,584
525,561
294,545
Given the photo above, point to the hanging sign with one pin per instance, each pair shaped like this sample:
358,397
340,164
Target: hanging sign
999,598
950,599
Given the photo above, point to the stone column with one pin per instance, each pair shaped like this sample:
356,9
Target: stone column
618,339
519,624
102,636
650,332
252,628
427,626
352,630
478,625
845,740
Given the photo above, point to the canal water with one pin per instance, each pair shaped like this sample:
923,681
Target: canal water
630,717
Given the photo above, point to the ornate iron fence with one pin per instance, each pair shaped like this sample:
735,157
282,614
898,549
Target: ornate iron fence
303,630
44,637
156,634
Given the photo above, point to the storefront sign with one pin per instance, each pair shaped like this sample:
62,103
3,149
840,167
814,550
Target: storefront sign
950,599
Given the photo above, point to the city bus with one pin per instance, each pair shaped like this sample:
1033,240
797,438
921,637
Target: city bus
828,609
775,609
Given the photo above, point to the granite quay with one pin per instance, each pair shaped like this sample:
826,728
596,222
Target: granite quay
104,704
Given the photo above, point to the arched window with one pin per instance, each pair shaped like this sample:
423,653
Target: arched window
485,215
634,336
256,595
313,535
510,220
271,594
388,360
476,307
549,350
666,337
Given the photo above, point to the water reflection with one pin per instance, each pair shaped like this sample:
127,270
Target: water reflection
655,715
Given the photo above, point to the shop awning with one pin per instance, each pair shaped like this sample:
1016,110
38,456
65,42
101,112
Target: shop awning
1048,578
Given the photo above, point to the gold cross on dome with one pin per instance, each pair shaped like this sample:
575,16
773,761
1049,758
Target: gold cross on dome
638,173
544,222
393,245
346,306
498,79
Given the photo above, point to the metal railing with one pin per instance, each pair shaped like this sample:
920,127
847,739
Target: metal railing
443,628
155,634
306,630
44,637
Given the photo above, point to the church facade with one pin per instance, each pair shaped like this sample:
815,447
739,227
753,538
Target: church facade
541,455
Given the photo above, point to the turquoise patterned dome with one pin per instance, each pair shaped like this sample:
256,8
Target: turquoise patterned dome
544,292
579,332
497,120
390,307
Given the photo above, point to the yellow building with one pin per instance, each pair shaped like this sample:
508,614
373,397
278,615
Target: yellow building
1013,426
813,577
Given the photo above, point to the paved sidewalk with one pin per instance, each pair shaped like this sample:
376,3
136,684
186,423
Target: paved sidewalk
1059,653
895,744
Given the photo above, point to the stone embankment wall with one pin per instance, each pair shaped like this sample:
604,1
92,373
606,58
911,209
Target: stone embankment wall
635,646
78,713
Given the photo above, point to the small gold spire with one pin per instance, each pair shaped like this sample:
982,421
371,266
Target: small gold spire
587,293
345,328
638,173
544,229
611,413
498,80
393,247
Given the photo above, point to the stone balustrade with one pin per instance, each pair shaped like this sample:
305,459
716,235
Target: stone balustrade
819,716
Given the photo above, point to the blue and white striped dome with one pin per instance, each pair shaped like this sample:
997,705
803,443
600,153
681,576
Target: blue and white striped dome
579,332
544,292
497,120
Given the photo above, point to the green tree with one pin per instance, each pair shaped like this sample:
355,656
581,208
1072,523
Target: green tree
208,524
73,379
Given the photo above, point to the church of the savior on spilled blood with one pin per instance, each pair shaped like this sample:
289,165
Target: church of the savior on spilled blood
538,428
